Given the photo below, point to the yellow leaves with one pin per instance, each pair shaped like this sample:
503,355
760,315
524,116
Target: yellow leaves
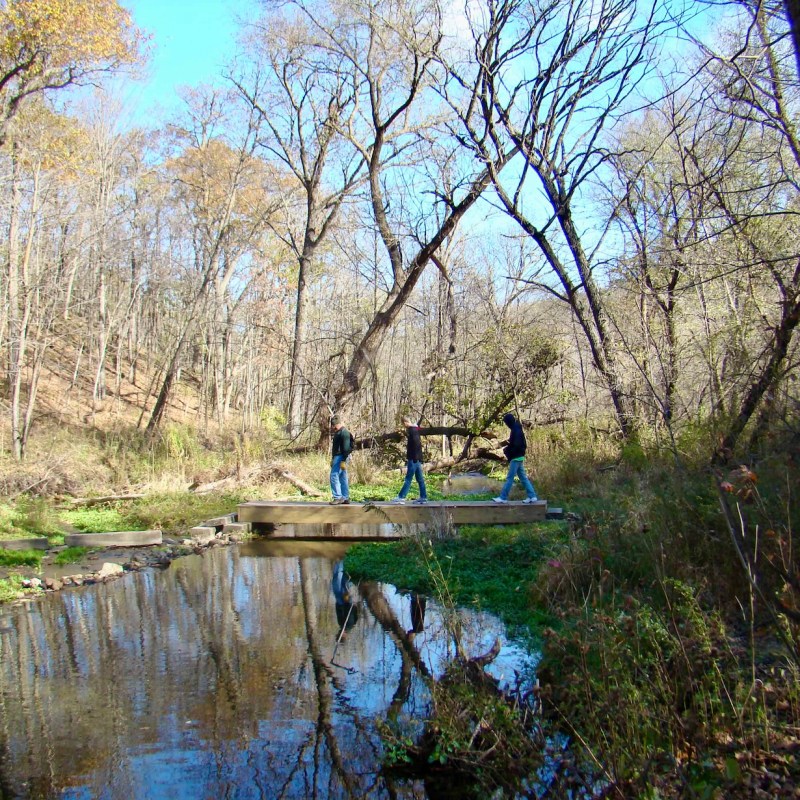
47,35
221,181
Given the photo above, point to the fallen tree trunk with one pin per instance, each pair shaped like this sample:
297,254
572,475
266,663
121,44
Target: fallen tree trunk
368,442
109,498
285,475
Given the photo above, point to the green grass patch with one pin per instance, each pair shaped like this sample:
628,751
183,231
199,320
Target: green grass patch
100,520
71,555
168,512
20,558
11,588
488,567
28,517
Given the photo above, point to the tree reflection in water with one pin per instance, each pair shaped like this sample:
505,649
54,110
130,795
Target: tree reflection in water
214,678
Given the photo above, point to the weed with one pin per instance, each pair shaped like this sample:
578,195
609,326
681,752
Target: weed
37,516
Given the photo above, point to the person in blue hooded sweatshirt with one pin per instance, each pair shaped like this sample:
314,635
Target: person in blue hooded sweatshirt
515,453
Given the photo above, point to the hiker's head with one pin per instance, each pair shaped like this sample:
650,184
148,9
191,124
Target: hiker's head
407,421
336,422
509,419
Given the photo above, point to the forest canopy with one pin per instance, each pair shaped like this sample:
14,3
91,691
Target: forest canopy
582,210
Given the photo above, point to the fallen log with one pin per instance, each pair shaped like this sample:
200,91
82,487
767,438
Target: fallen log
109,498
287,476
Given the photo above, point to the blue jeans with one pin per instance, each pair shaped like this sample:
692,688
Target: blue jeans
339,484
517,468
414,470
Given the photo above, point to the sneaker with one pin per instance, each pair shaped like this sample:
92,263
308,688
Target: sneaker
337,501
529,500
346,501
399,501
421,501
499,500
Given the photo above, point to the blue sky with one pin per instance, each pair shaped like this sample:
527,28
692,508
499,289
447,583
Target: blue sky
190,41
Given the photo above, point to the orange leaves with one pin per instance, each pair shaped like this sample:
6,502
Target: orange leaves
741,482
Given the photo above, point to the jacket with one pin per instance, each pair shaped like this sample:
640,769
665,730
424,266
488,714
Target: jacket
342,443
517,445
414,444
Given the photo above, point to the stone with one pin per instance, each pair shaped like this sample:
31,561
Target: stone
53,584
220,522
108,570
36,543
114,539
237,528
202,534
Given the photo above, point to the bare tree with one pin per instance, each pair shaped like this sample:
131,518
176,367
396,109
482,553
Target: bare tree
209,178
547,78
304,96
753,97
391,49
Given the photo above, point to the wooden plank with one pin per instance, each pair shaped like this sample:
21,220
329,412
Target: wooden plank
442,512
113,539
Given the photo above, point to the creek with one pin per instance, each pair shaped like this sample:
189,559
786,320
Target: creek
251,671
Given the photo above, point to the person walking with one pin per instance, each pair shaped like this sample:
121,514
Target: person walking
413,465
515,453
342,447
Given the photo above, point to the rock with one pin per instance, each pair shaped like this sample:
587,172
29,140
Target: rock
108,570
32,583
53,584
202,534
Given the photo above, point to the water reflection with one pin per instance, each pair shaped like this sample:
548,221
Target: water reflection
470,483
225,675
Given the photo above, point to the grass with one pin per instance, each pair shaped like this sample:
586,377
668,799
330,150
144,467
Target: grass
11,589
20,558
71,555
166,511
491,568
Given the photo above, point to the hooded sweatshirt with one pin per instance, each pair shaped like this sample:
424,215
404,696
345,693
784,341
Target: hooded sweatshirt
517,445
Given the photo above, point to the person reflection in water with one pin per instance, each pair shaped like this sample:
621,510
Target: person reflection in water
418,604
346,611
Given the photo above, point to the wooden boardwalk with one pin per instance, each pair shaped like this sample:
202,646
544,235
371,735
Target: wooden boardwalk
265,513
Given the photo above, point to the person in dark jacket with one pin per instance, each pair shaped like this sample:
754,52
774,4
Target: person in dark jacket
346,611
515,453
414,459
342,447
